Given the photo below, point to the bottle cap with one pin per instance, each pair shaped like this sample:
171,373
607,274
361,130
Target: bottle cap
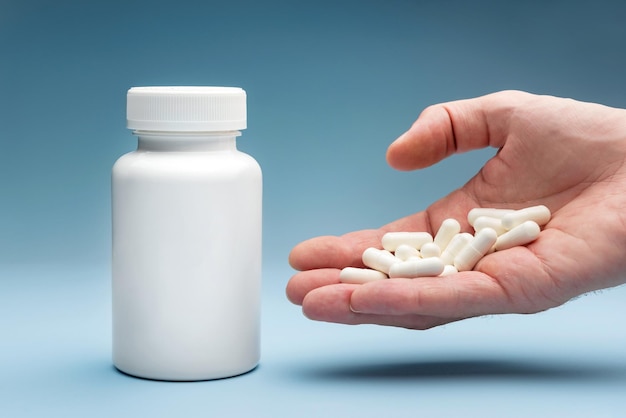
186,109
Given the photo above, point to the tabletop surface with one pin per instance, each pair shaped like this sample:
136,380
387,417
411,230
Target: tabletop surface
569,361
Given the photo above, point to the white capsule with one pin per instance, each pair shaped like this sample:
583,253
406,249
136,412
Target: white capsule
425,267
492,212
540,214
475,249
456,245
520,235
359,276
430,249
380,260
404,252
449,228
483,222
447,270
391,240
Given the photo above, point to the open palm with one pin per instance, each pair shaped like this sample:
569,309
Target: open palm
567,155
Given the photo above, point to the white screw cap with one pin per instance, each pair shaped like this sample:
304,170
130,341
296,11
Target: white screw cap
186,109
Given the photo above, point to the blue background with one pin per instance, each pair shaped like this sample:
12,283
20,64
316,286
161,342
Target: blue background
330,84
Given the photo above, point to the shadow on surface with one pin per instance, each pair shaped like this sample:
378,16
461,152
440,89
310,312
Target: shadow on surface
120,372
474,369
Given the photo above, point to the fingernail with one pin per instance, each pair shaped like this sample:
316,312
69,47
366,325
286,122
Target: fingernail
401,137
353,310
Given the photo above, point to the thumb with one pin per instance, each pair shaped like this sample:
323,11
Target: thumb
447,128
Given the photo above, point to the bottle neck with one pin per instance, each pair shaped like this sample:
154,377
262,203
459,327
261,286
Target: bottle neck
186,141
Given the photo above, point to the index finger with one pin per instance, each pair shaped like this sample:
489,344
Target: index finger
346,250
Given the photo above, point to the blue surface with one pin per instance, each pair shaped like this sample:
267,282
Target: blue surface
330,84
567,362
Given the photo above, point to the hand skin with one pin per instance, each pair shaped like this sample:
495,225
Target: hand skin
565,154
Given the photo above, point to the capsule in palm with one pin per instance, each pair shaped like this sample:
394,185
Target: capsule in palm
522,234
475,249
391,240
540,214
424,267
356,275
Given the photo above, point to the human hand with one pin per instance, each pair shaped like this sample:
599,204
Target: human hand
565,154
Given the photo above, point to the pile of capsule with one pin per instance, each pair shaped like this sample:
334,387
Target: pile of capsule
418,254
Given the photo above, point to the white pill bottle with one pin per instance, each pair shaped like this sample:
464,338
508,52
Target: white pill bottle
186,257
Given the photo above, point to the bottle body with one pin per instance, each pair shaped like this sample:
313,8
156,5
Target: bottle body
186,261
